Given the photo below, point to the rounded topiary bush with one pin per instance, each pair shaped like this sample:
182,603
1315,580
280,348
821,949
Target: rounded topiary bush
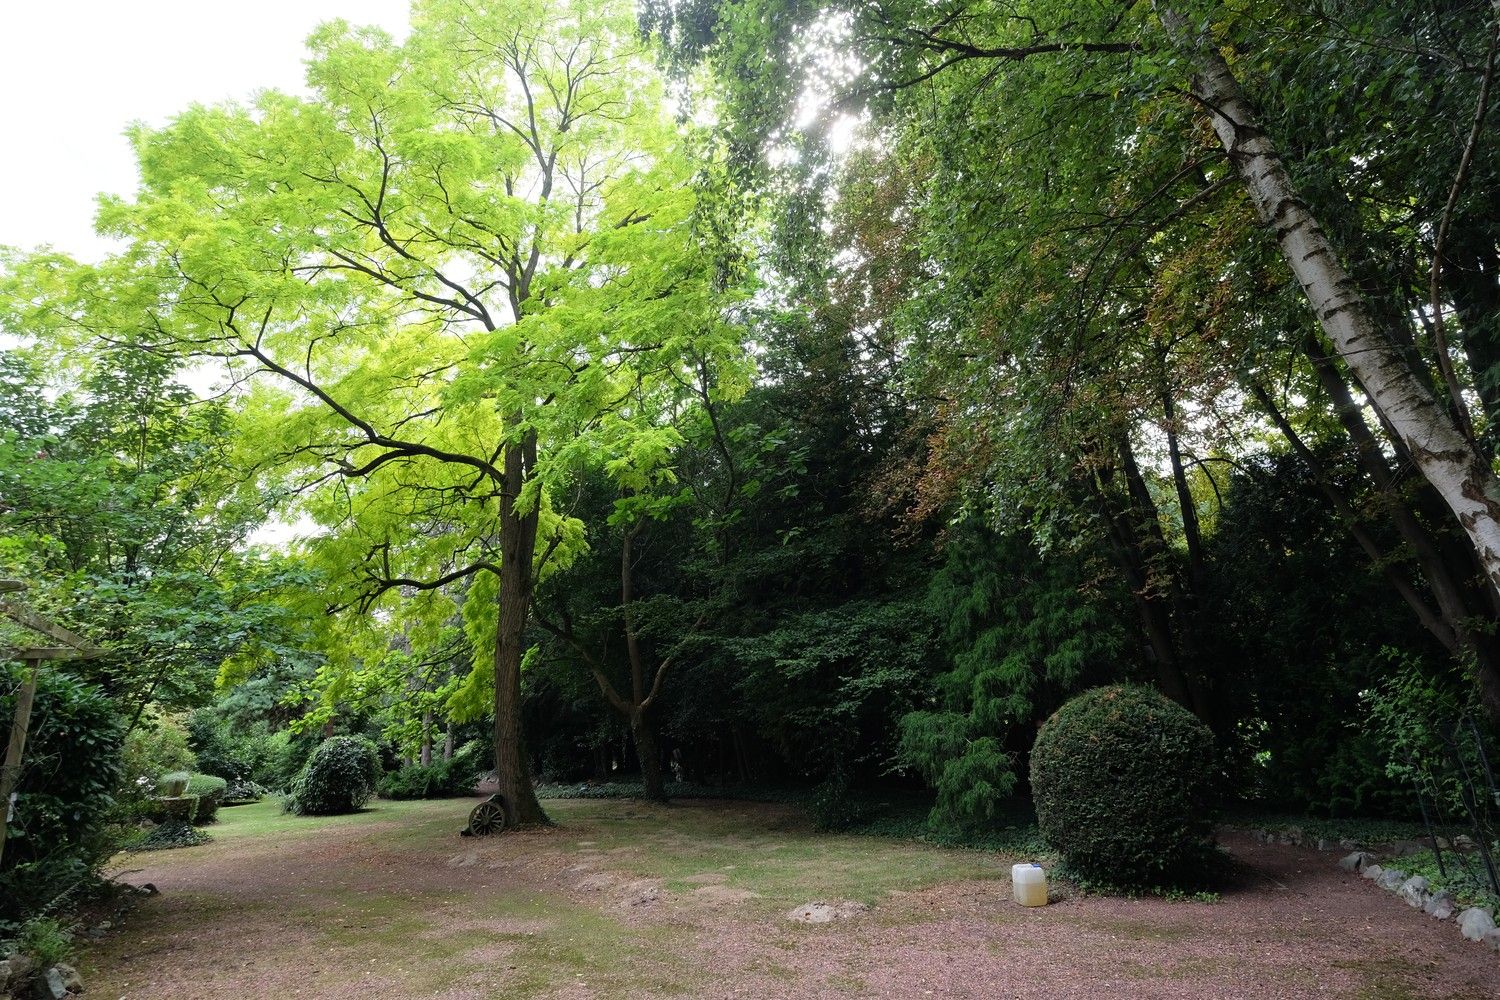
210,791
1122,779
339,777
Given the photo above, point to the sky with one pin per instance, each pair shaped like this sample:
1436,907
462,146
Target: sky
75,73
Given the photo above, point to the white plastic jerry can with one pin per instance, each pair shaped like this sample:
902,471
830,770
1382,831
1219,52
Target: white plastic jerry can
1028,884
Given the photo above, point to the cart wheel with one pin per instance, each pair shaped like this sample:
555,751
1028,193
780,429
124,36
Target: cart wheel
486,818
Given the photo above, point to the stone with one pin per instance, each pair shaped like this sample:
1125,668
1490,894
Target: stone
1492,939
1391,879
20,967
1357,862
1349,845
1405,848
53,986
1414,891
1440,905
1464,842
1325,844
1372,871
1292,835
72,981
1475,922
826,913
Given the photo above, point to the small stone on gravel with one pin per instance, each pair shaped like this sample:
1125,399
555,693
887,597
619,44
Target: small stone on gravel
1357,862
826,913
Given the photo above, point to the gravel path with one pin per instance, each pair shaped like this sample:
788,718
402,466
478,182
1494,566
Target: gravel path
398,907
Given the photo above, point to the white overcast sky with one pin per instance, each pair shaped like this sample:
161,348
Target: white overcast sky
75,73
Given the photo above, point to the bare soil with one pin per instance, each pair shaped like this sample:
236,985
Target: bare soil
627,900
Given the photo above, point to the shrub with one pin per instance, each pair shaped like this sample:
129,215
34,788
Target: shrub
442,779
59,835
210,792
158,744
241,792
339,777
1122,779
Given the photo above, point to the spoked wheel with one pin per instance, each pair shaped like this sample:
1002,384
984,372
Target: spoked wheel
486,818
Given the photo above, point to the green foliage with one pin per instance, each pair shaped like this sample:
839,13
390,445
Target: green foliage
157,745
1124,786
60,834
339,777
44,940
169,835
210,790
439,780
1421,720
1023,634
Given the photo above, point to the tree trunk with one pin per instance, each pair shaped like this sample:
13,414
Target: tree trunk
448,743
517,547
1445,457
643,728
427,737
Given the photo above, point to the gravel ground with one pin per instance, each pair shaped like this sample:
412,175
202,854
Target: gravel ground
398,907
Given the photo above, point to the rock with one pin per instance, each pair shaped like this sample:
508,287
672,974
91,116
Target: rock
826,913
1357,862
149,889
1475,922
53,986
1391,879
1349,845
1372,871
1414,891
1325,844
1443,844
1404,848
1292,835
1464,842
21,967
72,981
1440,905
1492,939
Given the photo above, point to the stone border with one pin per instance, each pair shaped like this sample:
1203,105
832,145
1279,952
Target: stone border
1476,923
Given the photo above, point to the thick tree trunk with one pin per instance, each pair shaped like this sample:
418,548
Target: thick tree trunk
643,728
1440,450
517,547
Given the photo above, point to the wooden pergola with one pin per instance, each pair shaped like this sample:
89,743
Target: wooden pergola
71,646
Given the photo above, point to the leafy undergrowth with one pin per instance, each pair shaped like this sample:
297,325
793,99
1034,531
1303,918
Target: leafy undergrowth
1461,874
167,836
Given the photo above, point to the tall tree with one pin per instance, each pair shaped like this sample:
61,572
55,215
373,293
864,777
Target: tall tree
447,273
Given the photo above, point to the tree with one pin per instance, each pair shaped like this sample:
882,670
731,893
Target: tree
1078,167
445,275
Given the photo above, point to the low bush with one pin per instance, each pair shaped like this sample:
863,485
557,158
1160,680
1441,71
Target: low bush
1123,779
442,779
241,792
169,835
43,940
210,791
339,777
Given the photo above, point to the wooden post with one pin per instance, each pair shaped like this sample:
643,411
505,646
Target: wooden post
10,777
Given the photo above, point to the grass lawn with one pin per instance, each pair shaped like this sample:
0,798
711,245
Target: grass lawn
624,899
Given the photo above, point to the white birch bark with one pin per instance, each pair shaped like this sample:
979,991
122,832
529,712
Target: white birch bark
1443,455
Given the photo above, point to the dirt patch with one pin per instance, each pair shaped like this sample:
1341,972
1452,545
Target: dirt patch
393,905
